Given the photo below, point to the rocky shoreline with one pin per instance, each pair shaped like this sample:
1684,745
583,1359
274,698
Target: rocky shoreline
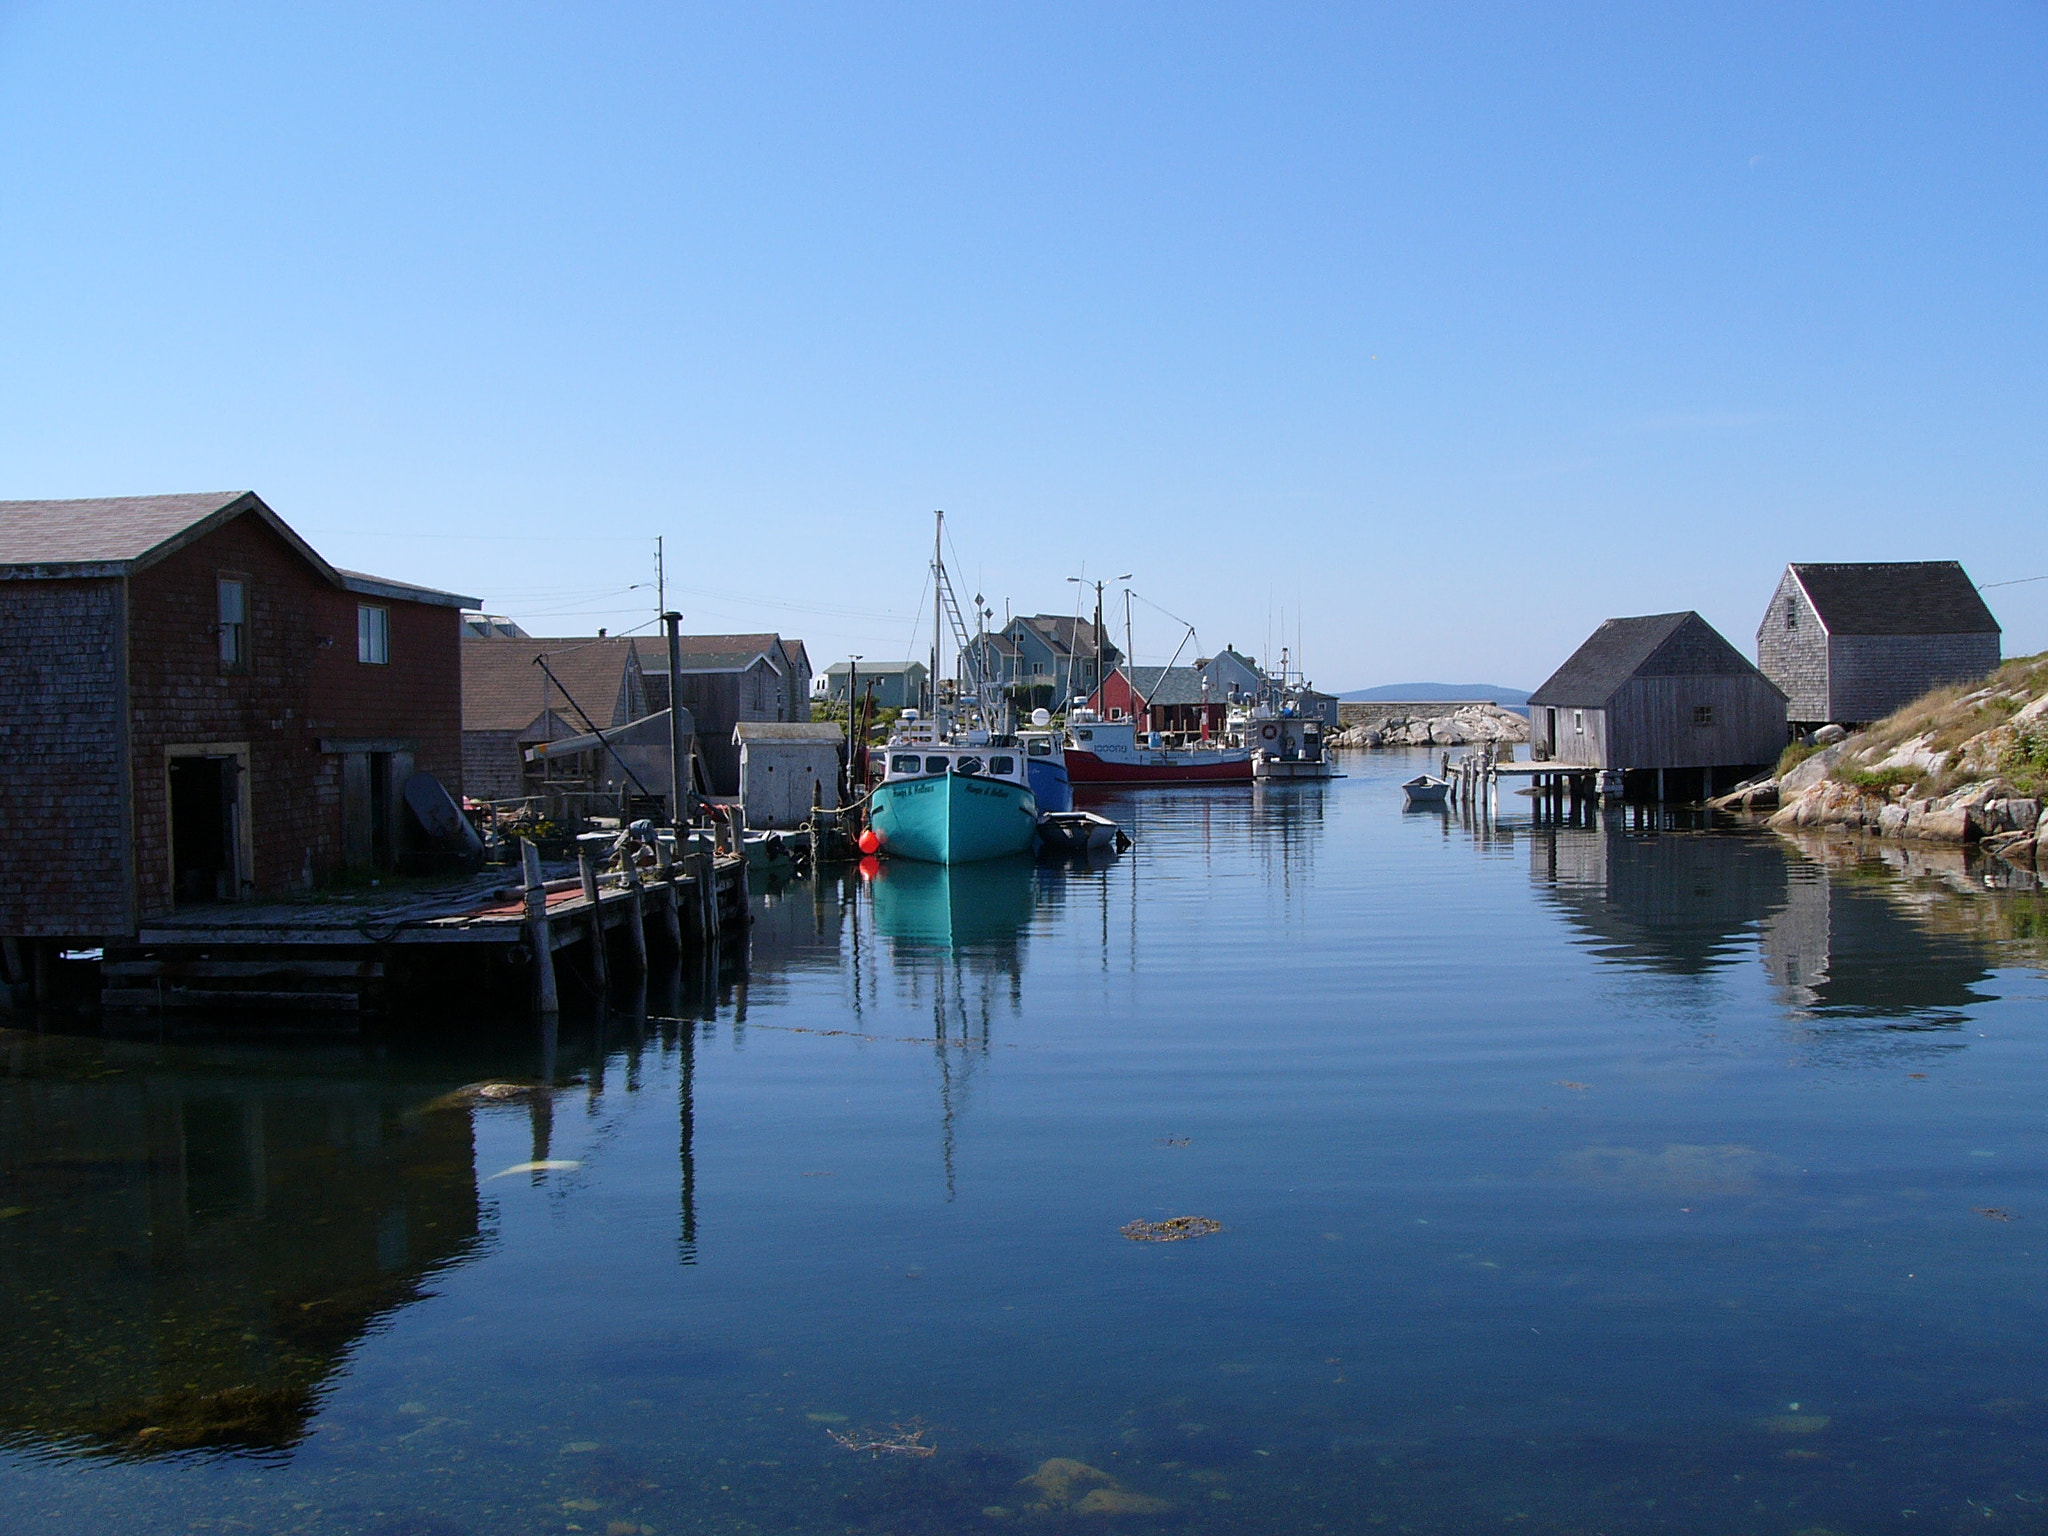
1961,766
1428,725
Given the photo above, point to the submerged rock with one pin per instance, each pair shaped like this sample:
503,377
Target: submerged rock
1061,1478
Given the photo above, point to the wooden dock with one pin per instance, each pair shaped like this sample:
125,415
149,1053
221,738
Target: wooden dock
343,958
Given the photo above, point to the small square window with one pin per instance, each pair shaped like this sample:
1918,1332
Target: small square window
1579,721
1703,714
373,635
234,623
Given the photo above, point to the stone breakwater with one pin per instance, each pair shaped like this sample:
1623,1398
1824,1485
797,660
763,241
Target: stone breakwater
1958,767
1448,724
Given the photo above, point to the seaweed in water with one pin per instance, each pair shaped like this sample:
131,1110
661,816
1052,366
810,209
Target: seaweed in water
1174,1230
900,1440
236,1418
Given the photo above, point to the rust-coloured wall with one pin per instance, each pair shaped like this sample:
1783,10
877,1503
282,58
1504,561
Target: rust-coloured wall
303,683
63,837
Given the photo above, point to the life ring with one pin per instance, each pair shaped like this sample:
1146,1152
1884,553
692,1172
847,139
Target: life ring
1268,732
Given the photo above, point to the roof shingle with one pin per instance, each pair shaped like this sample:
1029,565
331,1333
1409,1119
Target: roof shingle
1906,597
502,689
1651,645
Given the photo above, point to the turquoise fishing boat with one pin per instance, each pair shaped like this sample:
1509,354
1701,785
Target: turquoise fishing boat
946,802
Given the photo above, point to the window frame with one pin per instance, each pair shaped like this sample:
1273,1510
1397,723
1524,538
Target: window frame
373,635
231,635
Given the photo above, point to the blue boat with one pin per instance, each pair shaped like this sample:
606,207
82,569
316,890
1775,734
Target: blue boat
946,802
1045,760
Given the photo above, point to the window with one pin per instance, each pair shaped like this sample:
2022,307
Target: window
373,635
905,762
1703,714
1579,721
1791,614
968,765
1038,746
1038,669
1002,767
234,623
935,765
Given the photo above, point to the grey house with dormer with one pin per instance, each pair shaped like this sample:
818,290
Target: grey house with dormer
1044,659
1849,644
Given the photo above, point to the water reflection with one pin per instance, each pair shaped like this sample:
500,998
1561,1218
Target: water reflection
1679,902
189,1252
1839,934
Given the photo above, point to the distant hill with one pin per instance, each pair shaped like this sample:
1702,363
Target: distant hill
1508,697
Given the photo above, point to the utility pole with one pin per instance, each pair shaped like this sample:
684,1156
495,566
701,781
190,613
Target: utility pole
660,578
678,765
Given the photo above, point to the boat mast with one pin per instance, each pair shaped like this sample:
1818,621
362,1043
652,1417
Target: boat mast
938,600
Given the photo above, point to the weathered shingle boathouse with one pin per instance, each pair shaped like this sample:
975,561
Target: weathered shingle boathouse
1664,700
511,704
201,721
1849,644
727,679
195,706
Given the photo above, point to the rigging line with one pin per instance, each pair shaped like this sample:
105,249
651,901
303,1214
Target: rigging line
1141,597
917,624
1986,586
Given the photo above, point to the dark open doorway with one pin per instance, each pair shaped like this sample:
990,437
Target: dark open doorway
203,834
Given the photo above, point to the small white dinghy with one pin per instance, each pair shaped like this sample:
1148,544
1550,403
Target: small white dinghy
1426,789
1079,832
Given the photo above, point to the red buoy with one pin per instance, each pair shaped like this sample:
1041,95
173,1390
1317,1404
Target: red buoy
871,841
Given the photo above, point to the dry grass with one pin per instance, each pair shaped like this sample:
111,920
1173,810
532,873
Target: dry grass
1951,721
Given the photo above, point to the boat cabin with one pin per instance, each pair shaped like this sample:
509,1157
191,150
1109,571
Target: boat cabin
933,759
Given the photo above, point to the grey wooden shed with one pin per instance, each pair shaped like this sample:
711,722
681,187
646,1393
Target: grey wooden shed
1849,644
787,767
1655,693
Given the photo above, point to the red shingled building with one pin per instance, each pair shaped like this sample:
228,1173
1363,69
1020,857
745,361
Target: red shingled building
195,707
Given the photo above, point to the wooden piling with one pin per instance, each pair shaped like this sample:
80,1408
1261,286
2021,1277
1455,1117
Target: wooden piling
665,902
546,1001
636,919
594,915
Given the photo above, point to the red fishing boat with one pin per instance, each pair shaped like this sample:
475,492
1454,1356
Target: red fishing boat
1112,752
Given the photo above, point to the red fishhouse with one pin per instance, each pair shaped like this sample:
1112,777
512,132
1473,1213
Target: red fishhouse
195,707
1162,699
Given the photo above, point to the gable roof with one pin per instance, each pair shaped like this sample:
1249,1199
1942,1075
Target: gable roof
713,653
877,668
1652,645
1163,686
502,690
1065,633
122,535
1904,597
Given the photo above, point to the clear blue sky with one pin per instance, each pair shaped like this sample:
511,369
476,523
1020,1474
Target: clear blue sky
1450,330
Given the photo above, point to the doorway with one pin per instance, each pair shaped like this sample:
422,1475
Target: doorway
206,841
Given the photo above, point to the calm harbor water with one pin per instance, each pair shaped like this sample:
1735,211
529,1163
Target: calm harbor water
1573,1179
